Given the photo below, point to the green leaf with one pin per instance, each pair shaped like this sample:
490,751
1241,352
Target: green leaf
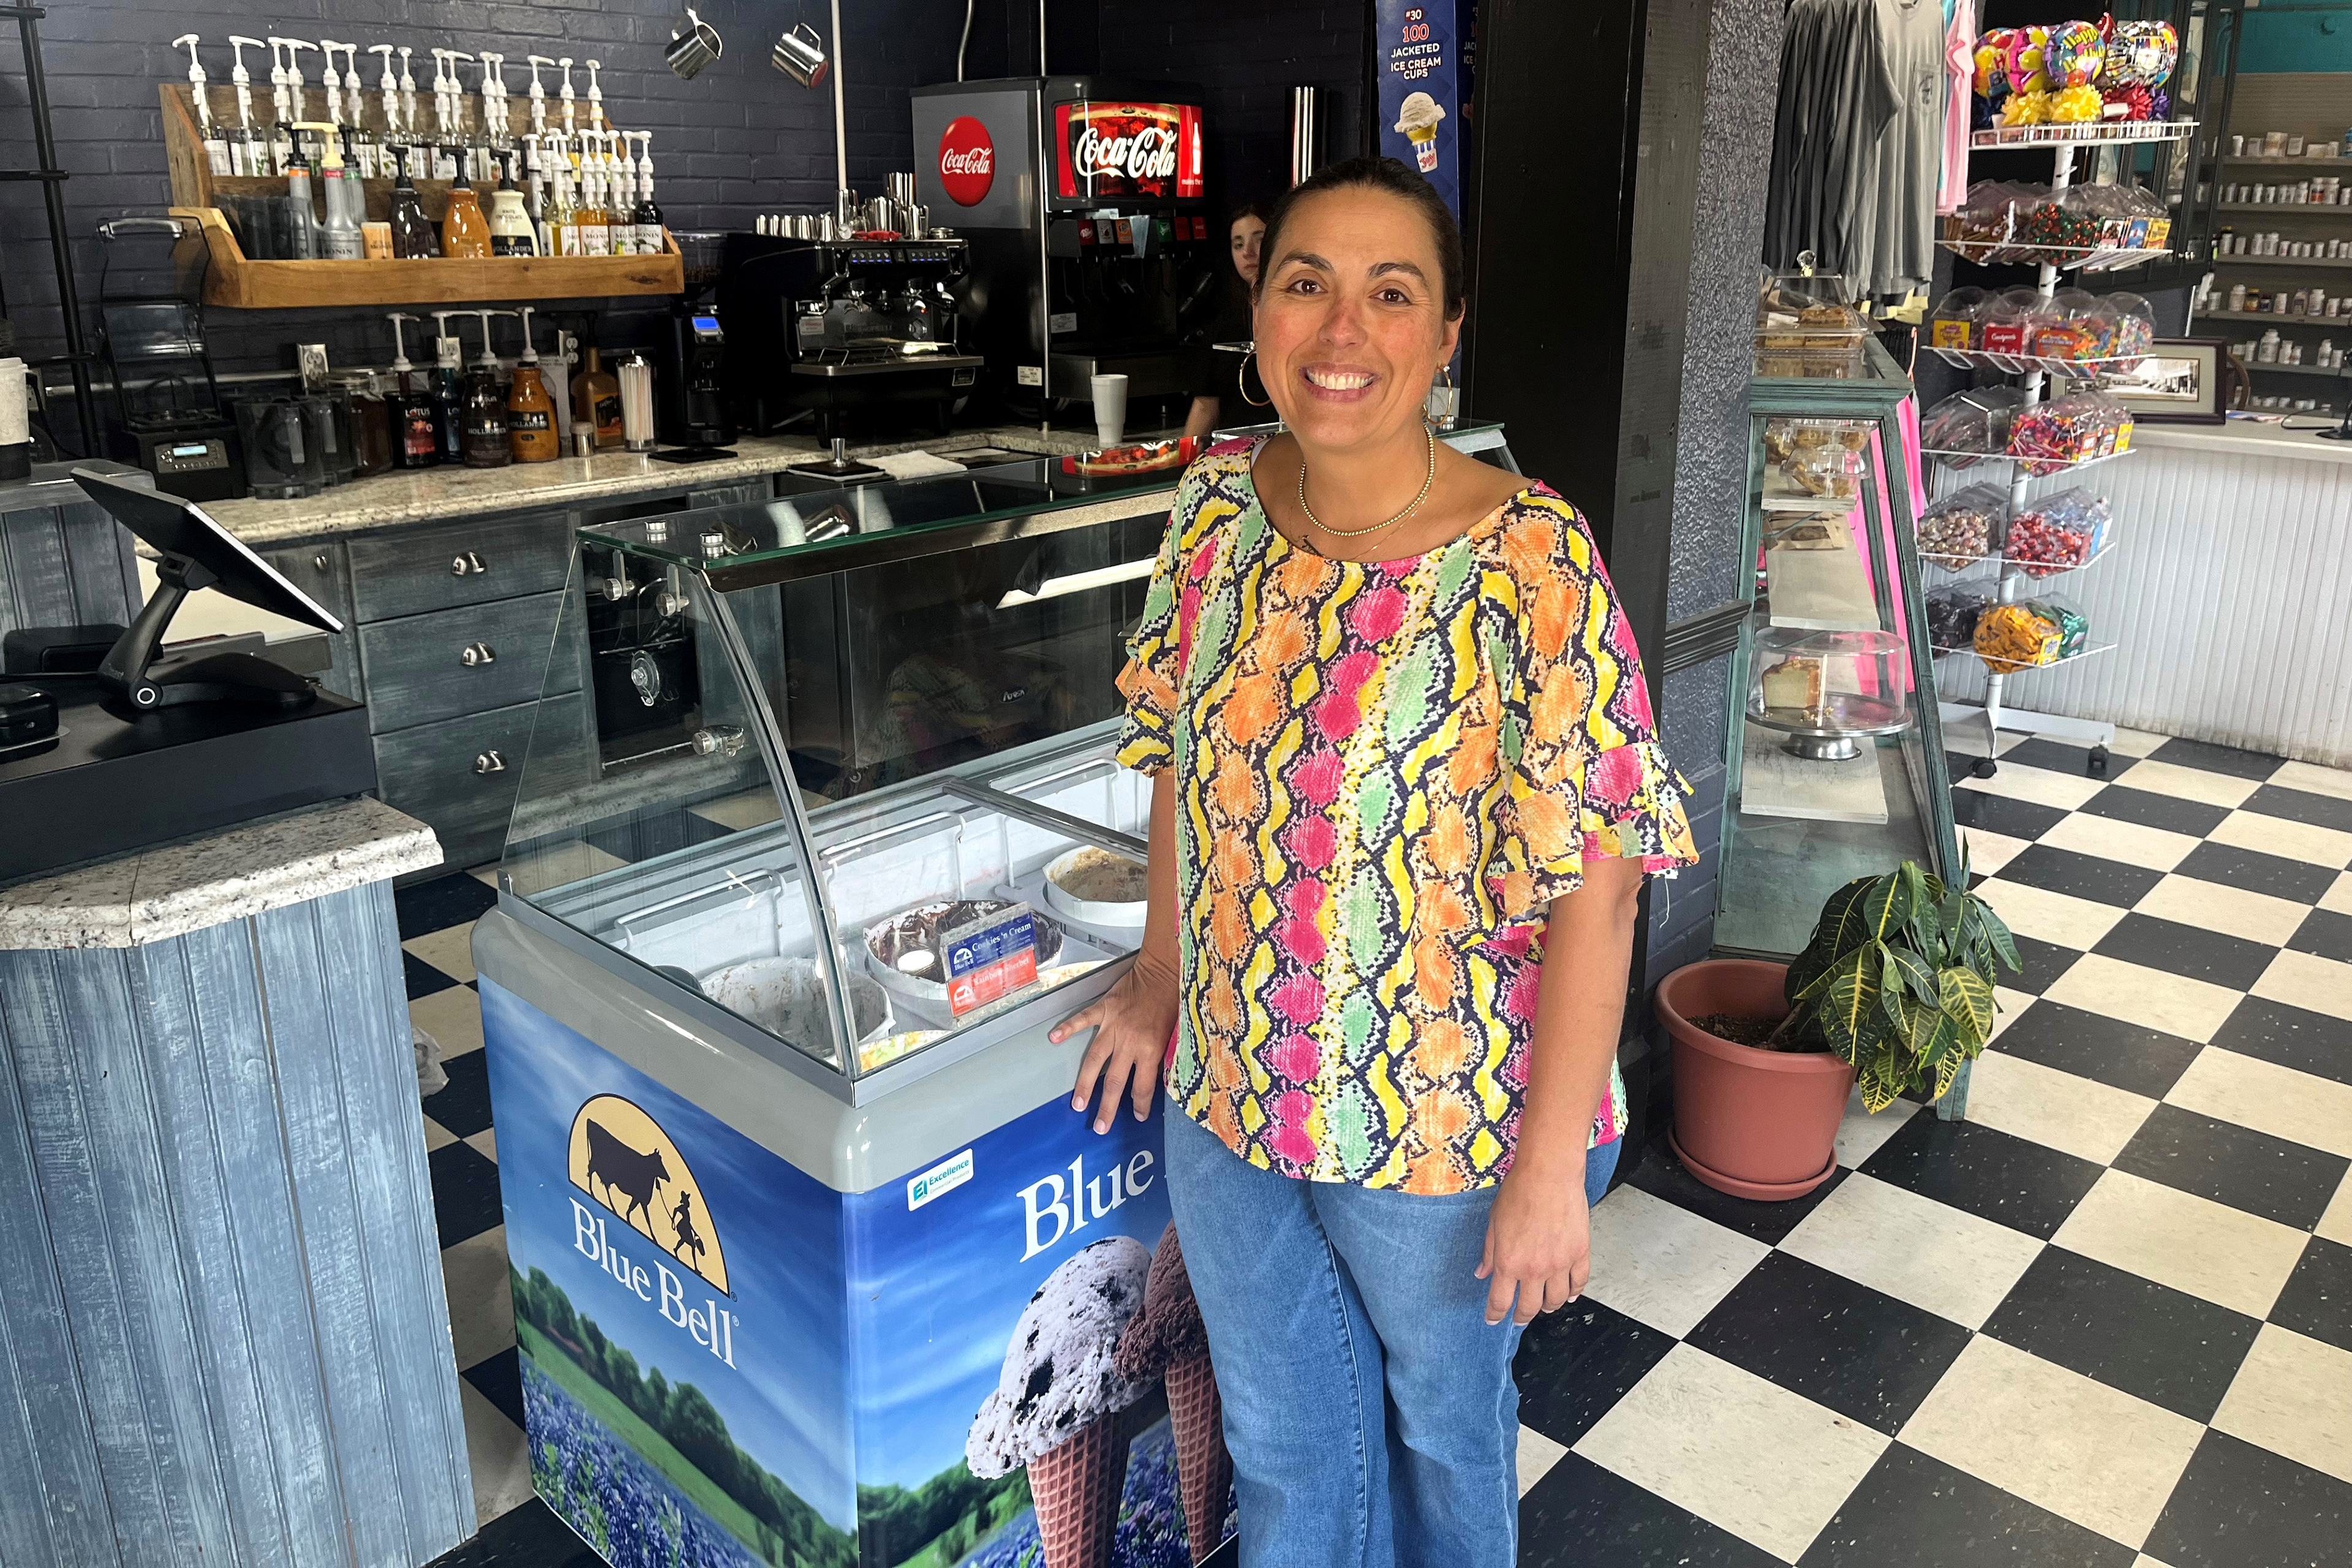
1947,1070
1880,1080
1919,1034
1847,1005
1887,907
1840,927
1997,932
1968,998
1917,977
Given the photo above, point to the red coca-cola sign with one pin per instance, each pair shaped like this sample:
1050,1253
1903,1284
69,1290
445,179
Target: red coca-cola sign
967,161
1127,152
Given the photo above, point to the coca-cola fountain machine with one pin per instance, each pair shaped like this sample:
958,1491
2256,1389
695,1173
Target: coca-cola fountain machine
1083,205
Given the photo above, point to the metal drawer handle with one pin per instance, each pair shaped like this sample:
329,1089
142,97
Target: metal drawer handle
476,653
469,564
723,739
489,763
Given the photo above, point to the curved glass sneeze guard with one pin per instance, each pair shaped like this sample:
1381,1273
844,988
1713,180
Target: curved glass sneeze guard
863,810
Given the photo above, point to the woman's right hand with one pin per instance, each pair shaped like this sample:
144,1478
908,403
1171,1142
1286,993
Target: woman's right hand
1132,1023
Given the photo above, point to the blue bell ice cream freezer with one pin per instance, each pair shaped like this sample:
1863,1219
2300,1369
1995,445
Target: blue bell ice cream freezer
814,1263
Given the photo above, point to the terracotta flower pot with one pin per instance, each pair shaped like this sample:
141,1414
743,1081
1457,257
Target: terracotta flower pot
1753,1123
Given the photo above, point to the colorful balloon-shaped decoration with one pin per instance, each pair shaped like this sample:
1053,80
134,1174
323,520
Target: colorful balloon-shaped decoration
2074,54
2028,61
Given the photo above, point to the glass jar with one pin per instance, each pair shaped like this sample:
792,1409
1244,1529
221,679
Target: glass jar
370,422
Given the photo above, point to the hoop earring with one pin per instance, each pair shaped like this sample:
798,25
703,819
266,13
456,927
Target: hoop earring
1437,421
1241,381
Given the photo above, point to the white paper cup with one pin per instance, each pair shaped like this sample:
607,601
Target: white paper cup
1110,408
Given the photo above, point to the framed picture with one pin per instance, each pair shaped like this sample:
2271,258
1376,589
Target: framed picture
2183,381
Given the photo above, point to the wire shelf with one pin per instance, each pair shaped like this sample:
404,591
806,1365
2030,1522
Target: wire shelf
2051,466
2076,657
1992,252
1960,565
2092,133
2018,364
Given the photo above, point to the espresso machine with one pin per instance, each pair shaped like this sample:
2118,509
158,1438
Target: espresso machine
1094,253
863,333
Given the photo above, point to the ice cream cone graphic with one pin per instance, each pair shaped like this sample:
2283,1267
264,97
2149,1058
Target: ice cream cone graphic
1417,119
1057,1404
1168,1339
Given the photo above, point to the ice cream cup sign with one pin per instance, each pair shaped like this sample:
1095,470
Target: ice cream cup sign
1417,119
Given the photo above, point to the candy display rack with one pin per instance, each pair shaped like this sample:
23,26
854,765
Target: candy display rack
1996,714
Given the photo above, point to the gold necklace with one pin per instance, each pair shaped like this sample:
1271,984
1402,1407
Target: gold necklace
1428,480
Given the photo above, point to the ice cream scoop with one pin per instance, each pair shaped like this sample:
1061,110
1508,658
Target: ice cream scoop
1418,116
1059,1372
1169,1328
1167,1340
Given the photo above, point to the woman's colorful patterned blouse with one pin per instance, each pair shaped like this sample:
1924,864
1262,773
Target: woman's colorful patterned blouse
1385,773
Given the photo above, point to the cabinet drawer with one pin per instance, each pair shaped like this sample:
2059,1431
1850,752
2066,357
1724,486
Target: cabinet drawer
420,668
460,777
323,572
426,569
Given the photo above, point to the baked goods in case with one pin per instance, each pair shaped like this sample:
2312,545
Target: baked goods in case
1796,684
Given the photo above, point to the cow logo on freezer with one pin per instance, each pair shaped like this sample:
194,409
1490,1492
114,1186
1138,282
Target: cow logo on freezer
622,1159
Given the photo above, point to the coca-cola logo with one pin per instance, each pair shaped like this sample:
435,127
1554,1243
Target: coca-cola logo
1149,154
967,161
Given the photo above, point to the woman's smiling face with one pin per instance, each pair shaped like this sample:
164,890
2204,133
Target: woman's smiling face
1350,320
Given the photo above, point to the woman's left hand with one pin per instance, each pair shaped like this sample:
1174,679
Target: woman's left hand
1539,1244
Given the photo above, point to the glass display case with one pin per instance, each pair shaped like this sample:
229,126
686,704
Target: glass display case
848,775
1836,759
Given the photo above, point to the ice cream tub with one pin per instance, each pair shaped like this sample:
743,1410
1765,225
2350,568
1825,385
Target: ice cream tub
1097,887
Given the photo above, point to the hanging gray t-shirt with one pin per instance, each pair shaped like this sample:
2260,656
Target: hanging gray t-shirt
1910,149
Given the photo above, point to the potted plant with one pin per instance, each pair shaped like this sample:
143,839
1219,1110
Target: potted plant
1893,992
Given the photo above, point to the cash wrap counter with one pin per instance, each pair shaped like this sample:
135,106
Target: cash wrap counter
814,1261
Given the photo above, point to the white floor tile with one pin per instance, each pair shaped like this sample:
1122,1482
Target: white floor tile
559,865
2338,899
1538,1455
1989,851
1860,1134
1662,1264
2293,1397
2006,1006
2130,842
750,808
451,951
2335,1225
2072,1445
1770,1465
2145,1561
1876,1232
436,1136
2135,743
2298,1106
481,1296
486,875
2187,784
2045,916
485,1142
2152,998
2308,981
2284,836
453,1018
2313,779
2216,906
2090,1121
2067,792
2218,1254
498,1454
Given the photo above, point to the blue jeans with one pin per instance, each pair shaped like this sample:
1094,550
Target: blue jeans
1369,1404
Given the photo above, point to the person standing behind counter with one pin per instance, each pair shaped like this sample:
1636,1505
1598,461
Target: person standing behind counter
1402,750
1219,314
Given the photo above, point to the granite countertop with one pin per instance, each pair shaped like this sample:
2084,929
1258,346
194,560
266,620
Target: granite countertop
440,495
232,873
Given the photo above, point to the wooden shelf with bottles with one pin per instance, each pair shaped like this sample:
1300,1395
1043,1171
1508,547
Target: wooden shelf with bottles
236,282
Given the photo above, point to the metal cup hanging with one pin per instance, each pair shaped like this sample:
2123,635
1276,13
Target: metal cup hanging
800,55
694,47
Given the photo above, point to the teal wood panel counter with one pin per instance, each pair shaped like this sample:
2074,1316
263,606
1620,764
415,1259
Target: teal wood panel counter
224,1338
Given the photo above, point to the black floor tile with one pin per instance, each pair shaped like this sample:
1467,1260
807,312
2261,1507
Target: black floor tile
531,1536
2162,1345
2326,933
2238,1505
2247,1170
465,1193
2093,876
1575,1364
2150,809
1999,813
423,979
2058,757
2319,810
1840,1343
2317,1300
498,1379
1581,1514
655,834
464,1107
1662,1175
2042,962
2093,1046
2291,1036
1913,1510
2216,759
445,901
2298,881
2178,949
1995,1175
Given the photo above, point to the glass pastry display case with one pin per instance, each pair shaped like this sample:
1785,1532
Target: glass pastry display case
1836,759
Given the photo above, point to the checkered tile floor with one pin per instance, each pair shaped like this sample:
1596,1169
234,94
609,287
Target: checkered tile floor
2107,1321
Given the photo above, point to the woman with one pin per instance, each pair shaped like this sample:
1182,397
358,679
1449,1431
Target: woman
1221,314
1389,696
